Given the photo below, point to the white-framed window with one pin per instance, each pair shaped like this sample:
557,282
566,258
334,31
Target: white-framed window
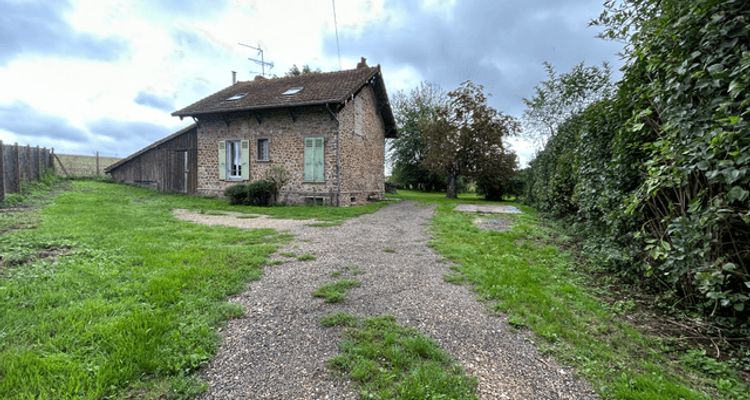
234,163
263,149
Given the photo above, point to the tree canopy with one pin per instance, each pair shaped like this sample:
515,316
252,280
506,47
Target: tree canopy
464,137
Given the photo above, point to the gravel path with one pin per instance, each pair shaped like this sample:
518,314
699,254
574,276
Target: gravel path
278,349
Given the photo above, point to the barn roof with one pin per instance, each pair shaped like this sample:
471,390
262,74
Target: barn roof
149,147
316,88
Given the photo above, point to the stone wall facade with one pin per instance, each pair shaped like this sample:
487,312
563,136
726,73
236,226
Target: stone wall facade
362,136
362,152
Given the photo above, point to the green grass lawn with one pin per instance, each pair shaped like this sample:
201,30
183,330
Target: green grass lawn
389,361
335,292
106,295
538,286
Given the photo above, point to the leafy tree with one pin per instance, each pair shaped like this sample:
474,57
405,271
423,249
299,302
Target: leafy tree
295,71
465,135
497,177
563,95
408,150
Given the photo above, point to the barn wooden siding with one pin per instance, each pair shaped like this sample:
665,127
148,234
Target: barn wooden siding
161,166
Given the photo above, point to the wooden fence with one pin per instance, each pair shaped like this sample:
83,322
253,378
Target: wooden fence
20,164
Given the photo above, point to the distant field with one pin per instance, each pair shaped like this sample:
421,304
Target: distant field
83,165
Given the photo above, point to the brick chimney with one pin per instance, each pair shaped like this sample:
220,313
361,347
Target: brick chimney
362,63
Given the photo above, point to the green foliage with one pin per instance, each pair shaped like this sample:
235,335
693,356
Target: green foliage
258,193
659,174
335,292
465,137
407,151
389,361
563,95
497,177
278,177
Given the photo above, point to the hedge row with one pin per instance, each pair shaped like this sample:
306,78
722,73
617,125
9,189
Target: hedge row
659,175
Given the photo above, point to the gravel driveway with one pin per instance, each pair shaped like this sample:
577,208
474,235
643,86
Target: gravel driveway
278,349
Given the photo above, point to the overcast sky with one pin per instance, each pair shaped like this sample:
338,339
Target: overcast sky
82,76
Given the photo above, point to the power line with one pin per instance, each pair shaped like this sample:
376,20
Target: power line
336,26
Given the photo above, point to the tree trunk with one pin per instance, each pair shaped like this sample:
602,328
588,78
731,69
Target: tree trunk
452,192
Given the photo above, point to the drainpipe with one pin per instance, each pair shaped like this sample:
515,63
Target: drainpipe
338,155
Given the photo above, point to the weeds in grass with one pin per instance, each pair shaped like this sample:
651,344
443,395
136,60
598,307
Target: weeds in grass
288,254
389,250
335,292
305,257
537,286
340,319
336,274
389,361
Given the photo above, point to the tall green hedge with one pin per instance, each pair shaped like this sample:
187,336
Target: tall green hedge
660,174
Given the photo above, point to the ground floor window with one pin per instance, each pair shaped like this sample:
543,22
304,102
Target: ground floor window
234,163
314,159
234,158
263,150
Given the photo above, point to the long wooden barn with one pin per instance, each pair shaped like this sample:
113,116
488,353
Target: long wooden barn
167,165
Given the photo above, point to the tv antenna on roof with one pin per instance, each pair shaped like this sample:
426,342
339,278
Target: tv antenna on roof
262,60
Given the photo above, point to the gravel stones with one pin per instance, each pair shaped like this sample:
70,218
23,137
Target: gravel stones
278,349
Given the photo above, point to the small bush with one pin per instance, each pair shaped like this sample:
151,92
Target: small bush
258,193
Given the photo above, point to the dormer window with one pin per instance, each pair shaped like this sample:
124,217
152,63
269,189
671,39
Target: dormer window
236,96
292,90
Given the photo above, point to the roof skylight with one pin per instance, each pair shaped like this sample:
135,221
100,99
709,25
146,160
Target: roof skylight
236,96
293,90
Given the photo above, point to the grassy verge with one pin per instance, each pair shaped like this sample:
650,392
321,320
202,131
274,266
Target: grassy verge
539,287
335,292
328,216
389,361
106,295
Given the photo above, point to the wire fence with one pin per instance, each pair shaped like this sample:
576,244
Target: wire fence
20,164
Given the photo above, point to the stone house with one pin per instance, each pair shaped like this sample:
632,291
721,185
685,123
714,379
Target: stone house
326,130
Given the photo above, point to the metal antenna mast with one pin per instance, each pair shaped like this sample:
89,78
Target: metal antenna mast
262,60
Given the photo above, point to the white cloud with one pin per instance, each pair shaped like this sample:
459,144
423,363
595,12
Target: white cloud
174,52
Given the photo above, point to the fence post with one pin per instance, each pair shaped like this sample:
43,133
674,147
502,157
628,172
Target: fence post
97,163
37,162
18,168
29,163
51,159
2,171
